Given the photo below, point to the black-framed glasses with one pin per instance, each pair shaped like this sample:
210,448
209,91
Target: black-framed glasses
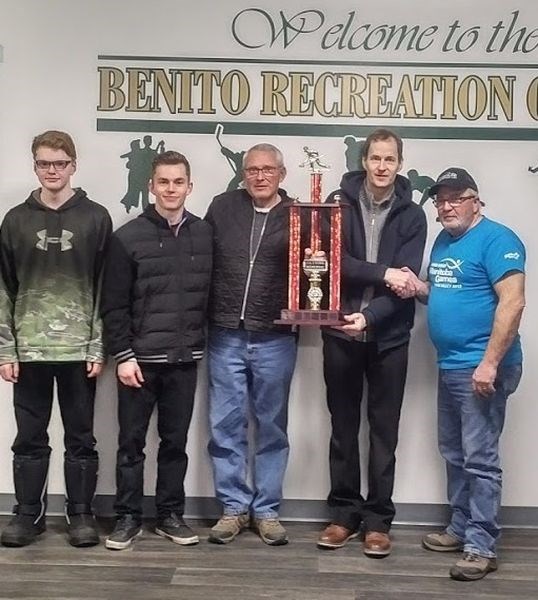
45,165
453,201
251,172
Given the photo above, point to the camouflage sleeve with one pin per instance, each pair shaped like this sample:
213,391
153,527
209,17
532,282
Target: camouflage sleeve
8,291
95,351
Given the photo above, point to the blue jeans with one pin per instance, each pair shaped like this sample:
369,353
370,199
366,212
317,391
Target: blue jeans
469,428
249,371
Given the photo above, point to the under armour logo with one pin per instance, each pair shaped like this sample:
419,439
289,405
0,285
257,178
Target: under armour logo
44,240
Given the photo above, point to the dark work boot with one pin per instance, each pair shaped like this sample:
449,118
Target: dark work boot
22,530
30,478
82,530
80,482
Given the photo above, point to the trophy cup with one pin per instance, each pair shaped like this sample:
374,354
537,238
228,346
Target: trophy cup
316,266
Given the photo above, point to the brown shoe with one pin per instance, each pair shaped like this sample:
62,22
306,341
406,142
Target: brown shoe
472,567
441,542
335,536
377,544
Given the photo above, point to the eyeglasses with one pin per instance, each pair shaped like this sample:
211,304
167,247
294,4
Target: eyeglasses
452,200
252,172
45,165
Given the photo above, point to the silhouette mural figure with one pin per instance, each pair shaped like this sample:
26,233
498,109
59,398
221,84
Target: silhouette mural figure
138,164
420,183
353,153
235,160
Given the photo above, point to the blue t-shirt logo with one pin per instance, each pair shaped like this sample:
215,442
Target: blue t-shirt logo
445,272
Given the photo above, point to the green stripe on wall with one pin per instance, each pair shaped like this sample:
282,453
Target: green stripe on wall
317,130
337,63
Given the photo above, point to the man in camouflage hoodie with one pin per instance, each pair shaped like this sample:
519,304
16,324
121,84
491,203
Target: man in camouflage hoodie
51,256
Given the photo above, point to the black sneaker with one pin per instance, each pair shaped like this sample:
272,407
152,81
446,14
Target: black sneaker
82,530
174,528
127,529
22,530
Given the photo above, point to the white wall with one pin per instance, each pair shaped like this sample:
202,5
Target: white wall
48,79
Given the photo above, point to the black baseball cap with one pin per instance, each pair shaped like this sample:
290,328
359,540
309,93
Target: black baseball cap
455,178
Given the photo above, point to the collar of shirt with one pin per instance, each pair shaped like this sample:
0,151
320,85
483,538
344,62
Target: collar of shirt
370,202
266,209
175,226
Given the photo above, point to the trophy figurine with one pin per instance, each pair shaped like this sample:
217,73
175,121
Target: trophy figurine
317,265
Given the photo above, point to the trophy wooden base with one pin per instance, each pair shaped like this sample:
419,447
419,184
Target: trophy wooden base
329,318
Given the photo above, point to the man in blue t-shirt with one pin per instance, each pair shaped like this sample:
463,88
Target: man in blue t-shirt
475,296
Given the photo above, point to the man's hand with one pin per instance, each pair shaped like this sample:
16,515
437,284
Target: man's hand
309,254
356,324
401,281
129,373
484,379
407,284
10,372
93,369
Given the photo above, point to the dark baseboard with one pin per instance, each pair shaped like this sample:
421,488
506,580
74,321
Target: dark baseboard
294,510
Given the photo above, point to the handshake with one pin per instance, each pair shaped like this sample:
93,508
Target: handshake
405,284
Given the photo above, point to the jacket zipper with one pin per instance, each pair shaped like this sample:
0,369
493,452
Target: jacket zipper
372,224
251,262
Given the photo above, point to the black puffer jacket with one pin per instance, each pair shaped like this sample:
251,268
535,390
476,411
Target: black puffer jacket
401,244
156,288
231,214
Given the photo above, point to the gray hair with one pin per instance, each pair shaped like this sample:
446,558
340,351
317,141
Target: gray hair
265,148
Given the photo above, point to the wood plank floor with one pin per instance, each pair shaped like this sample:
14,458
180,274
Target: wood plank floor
250,570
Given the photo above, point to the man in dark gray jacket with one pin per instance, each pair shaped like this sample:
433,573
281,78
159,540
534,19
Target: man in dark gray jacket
251,360
383,230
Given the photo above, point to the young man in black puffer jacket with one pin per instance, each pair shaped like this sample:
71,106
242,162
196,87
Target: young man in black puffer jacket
154,308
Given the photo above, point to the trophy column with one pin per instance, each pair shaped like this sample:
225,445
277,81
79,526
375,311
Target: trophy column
335,256
294,259
320,262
